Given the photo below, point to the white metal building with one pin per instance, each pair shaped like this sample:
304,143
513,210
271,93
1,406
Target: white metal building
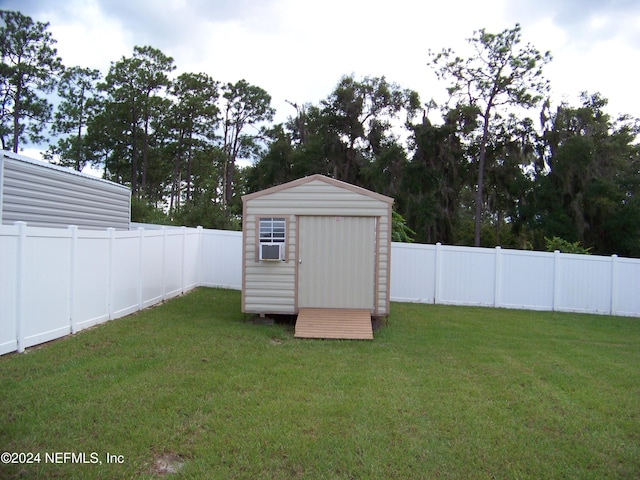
317,246
47,195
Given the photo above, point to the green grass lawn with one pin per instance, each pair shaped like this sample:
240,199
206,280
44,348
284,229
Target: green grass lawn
442,392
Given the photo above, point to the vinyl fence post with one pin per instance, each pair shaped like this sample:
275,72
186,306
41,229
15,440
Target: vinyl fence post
199,256
140,265
20,283
614,284
438,274
164,262
73,247
497,285
110,271
184,258
556,280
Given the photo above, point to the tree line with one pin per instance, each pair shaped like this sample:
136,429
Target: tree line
484,173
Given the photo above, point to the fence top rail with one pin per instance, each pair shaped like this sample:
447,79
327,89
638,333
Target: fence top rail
511,251
229,233
416,246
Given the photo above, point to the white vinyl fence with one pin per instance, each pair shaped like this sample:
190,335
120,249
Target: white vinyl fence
59,281
515,279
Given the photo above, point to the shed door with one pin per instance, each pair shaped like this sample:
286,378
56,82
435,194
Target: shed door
336,262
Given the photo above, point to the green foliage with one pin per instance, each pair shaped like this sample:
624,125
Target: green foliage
79,104
400,231
590,189
243,105
191,125
500,74
207,214
134,102
557,243
143,212
433,181
29,70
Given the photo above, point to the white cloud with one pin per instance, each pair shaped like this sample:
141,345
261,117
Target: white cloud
298,50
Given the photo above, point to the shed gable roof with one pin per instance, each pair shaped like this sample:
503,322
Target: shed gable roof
322,178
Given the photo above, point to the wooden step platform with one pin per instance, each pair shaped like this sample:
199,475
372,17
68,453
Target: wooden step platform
334,323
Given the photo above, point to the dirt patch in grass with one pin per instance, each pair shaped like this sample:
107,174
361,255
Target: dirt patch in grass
167,464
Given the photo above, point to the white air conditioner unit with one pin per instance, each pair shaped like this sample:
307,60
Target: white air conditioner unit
272,251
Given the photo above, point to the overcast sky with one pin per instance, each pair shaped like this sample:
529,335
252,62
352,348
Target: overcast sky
297,50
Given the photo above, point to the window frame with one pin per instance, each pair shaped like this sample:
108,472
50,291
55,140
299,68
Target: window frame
272,239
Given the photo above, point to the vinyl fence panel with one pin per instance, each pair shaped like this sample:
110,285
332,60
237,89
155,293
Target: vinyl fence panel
125,273
44,285
526,280
90,301
173,252
413,273
151,253
467,276
515,279
221,258
191,259
56,281
583,283
626,288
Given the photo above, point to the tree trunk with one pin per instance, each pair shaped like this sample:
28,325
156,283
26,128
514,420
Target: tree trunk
479,194
189,153
481,162
134,156
79,136
145,151
229,182
175,189
16,117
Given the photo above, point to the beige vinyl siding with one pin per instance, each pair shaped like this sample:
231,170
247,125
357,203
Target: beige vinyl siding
383,264
273,288
269,287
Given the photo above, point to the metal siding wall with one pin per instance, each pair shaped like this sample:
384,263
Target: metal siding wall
43,195
337,262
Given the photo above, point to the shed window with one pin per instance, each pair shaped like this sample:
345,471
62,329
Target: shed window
272,238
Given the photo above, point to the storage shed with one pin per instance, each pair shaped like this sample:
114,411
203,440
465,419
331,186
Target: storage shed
46,195
319,248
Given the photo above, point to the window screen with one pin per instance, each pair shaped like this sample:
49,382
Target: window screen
272,230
